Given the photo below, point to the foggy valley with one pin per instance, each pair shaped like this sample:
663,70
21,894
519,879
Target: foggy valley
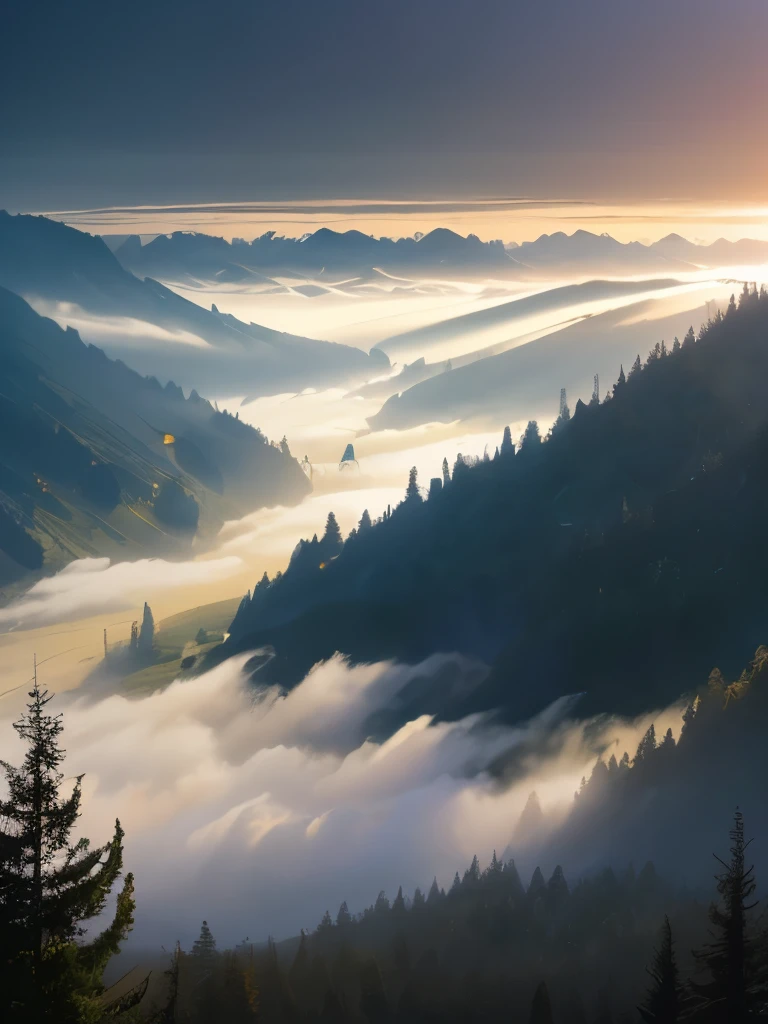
383,488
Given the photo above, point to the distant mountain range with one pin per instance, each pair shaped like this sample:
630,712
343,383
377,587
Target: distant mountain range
190,256
97,460
44,260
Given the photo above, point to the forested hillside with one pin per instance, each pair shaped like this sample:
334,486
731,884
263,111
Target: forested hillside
620,556
97,460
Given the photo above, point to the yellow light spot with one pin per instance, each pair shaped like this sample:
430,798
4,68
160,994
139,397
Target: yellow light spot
168,439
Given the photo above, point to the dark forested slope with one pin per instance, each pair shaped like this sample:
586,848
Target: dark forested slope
621,557
95,459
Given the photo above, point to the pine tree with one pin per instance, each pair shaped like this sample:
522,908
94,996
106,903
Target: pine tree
343,917
557,889
435,487
636,367
622,379
382,903
472,874
668,743
647,745
675,346
541,1008
365,522
654,354
412,493
507,448
732,959
538,885
690,338
418,899
331,541
446,473
49,888
531,438
300,973
204,947
284,447
665,998
398,904
147,631
326,924
512,882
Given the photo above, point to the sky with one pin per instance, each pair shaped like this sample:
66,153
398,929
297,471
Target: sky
184,101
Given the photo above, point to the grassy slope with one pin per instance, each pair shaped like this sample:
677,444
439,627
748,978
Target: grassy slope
175,639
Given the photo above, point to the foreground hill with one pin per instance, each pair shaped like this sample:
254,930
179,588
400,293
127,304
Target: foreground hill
46,261
95,459
619,557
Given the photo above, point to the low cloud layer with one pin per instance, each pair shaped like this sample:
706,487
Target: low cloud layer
89,586
259,811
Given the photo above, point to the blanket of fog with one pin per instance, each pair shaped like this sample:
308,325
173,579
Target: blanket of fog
259,810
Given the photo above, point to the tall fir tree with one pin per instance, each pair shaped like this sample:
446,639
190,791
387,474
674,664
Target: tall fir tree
647,745
433,896
412,493
204,946
446,473
531,438
665,999
398,904
331,542
736,986
50,887
147,632
507,447
300,973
